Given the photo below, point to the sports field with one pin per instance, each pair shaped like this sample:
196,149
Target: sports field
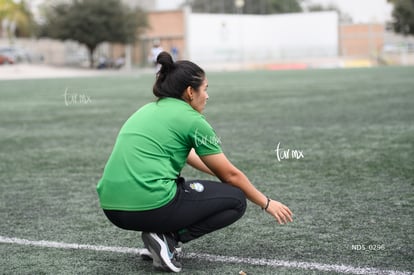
336,146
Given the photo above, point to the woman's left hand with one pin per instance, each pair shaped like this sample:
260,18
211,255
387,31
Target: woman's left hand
280,211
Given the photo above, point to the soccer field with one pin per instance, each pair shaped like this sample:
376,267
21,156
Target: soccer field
336,146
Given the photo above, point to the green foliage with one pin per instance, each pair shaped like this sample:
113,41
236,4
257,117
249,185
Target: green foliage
249,7
91,22
284,6
20,15
403,14
343,17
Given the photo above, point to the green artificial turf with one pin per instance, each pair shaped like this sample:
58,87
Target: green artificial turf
351,192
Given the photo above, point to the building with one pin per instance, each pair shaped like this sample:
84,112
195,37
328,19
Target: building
229,39
237,41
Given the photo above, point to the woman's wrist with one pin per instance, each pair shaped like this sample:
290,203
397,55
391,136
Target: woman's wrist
267,204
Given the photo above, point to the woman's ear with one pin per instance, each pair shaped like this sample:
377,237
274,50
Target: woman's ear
188,93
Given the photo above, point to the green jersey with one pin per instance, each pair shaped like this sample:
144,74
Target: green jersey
150,151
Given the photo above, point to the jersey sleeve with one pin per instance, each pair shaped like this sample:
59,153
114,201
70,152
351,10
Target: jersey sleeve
204,139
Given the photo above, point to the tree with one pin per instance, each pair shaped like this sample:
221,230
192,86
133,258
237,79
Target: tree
284,6
91,22
343,17
403,14
249,7
16,19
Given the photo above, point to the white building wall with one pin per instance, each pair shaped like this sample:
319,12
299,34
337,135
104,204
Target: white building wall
216,38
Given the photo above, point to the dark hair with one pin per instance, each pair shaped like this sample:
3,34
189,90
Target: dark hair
174,77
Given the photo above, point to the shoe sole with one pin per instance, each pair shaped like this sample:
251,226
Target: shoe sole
161,259
155,262
146,255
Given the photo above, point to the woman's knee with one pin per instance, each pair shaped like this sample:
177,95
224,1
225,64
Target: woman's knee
241,201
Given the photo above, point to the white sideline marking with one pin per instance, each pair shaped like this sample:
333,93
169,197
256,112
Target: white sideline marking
211,258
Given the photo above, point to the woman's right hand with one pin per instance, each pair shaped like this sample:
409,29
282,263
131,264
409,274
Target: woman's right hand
280,212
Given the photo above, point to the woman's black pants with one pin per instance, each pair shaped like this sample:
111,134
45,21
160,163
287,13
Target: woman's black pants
199,207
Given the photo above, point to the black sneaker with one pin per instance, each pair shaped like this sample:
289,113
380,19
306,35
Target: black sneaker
163,252
147,256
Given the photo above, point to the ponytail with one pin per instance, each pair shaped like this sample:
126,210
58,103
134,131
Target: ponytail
166,62
174,77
